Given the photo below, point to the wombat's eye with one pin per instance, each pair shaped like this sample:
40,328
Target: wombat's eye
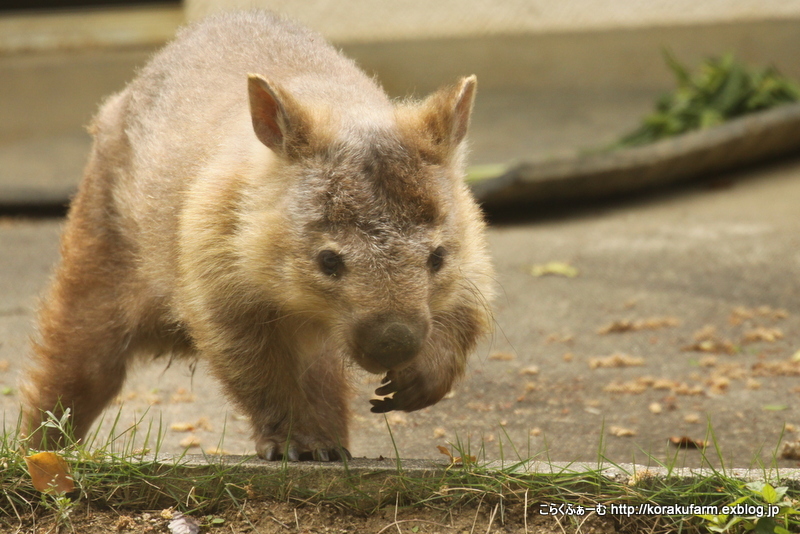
436,259
330,262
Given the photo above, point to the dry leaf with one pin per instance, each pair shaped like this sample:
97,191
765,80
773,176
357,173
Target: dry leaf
752,383
691,418
621,432
397,418
49,473
632,387
791,450
616,360
685,389
628,325
124,523
718,384
190,441
741,314
770,335
664,383
182,427
715,346
559,338
777,368
556,268
685,442
502,356
456,460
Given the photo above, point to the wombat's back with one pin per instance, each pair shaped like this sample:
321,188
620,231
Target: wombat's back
192,96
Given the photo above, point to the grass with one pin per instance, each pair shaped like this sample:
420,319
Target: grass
110,474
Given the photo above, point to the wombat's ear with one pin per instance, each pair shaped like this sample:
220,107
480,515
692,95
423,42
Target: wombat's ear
446,113
278,121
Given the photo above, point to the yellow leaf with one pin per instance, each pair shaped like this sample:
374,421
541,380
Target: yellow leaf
49,473
557,268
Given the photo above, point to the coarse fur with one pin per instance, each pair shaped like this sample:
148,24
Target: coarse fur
254,199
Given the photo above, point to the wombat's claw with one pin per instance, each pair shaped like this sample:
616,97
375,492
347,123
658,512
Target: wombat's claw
331,455
382,405
273,452
387,389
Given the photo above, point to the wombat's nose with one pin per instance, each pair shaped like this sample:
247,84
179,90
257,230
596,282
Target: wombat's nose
390,341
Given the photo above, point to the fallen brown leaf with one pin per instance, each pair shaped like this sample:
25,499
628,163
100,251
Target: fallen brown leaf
529,370
741,314
49,473
456,460
621,432
776,368
629,325
685,442
770,335
616,360
791,450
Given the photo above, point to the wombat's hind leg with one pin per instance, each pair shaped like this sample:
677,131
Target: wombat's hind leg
80,357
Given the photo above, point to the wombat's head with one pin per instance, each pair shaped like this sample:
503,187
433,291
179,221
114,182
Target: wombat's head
373,233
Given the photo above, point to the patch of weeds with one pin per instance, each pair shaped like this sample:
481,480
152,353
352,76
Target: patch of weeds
113,475
722,88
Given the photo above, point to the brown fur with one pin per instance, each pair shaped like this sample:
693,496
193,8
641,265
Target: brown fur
200,225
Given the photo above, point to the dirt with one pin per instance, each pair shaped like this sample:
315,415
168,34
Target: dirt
275,517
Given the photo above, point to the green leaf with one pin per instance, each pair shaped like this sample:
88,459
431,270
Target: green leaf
769,494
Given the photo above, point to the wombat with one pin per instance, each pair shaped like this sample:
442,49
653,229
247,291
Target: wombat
252,198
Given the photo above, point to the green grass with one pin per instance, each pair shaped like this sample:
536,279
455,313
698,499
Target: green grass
110,474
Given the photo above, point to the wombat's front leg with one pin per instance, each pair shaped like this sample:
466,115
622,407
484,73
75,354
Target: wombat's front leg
432,373
297,413
414,387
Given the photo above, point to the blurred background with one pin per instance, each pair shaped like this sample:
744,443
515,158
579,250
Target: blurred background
556,75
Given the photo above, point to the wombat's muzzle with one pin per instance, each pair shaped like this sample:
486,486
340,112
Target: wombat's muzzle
389,340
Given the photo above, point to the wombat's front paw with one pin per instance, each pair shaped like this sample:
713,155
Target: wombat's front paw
271,449
412,391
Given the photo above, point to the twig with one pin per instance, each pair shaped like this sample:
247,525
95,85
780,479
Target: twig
396,503
472,530
491,518
525,512
284,525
